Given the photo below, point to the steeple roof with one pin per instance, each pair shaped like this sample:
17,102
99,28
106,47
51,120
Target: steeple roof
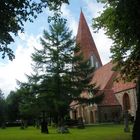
85,40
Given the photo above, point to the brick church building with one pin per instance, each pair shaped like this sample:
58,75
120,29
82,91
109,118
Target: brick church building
117,95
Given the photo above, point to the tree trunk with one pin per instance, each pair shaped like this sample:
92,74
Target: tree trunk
126,121
44,124
136,127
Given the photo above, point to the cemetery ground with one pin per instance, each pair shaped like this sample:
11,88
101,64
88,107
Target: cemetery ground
93,132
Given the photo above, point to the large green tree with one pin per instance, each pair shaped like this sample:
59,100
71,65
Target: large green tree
53,62
61,70
120,19
13,15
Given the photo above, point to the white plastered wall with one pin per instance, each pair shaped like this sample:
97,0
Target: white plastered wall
133,99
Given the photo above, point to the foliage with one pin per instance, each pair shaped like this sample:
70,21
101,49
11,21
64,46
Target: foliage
121,21
19,106
51,63
28,107
13,100
13,15
123,29
2,108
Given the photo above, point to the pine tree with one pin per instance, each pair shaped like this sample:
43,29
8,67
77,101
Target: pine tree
62,72
54,62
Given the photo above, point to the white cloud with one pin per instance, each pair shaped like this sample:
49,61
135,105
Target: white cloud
21,65
103,45
92,8
72,22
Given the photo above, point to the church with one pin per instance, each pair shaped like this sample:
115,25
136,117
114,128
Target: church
118,96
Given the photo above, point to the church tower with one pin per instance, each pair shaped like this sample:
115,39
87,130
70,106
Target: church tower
85,41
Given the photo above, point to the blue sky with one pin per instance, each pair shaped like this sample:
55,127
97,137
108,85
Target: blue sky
25,42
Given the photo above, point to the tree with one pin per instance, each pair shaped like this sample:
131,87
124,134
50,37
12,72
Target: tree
54,61
13,100
2,109
120,19
29,107
13,15
61,70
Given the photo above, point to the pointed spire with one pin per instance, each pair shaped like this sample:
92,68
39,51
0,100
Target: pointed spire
81,9
86,42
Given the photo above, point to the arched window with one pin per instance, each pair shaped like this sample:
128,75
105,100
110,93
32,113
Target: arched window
126,102
92,61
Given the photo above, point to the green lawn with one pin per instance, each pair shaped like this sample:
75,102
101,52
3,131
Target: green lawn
97,132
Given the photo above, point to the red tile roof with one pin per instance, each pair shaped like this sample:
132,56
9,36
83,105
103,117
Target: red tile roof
103,75
109,99
85,40
122,86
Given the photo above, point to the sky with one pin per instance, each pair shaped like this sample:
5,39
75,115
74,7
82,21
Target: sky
24,44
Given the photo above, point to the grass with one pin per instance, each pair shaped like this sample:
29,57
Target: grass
96,132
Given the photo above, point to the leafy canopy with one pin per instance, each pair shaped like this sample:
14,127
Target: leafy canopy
13,15
120,20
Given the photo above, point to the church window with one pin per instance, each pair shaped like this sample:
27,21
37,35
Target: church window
92,61
97,64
